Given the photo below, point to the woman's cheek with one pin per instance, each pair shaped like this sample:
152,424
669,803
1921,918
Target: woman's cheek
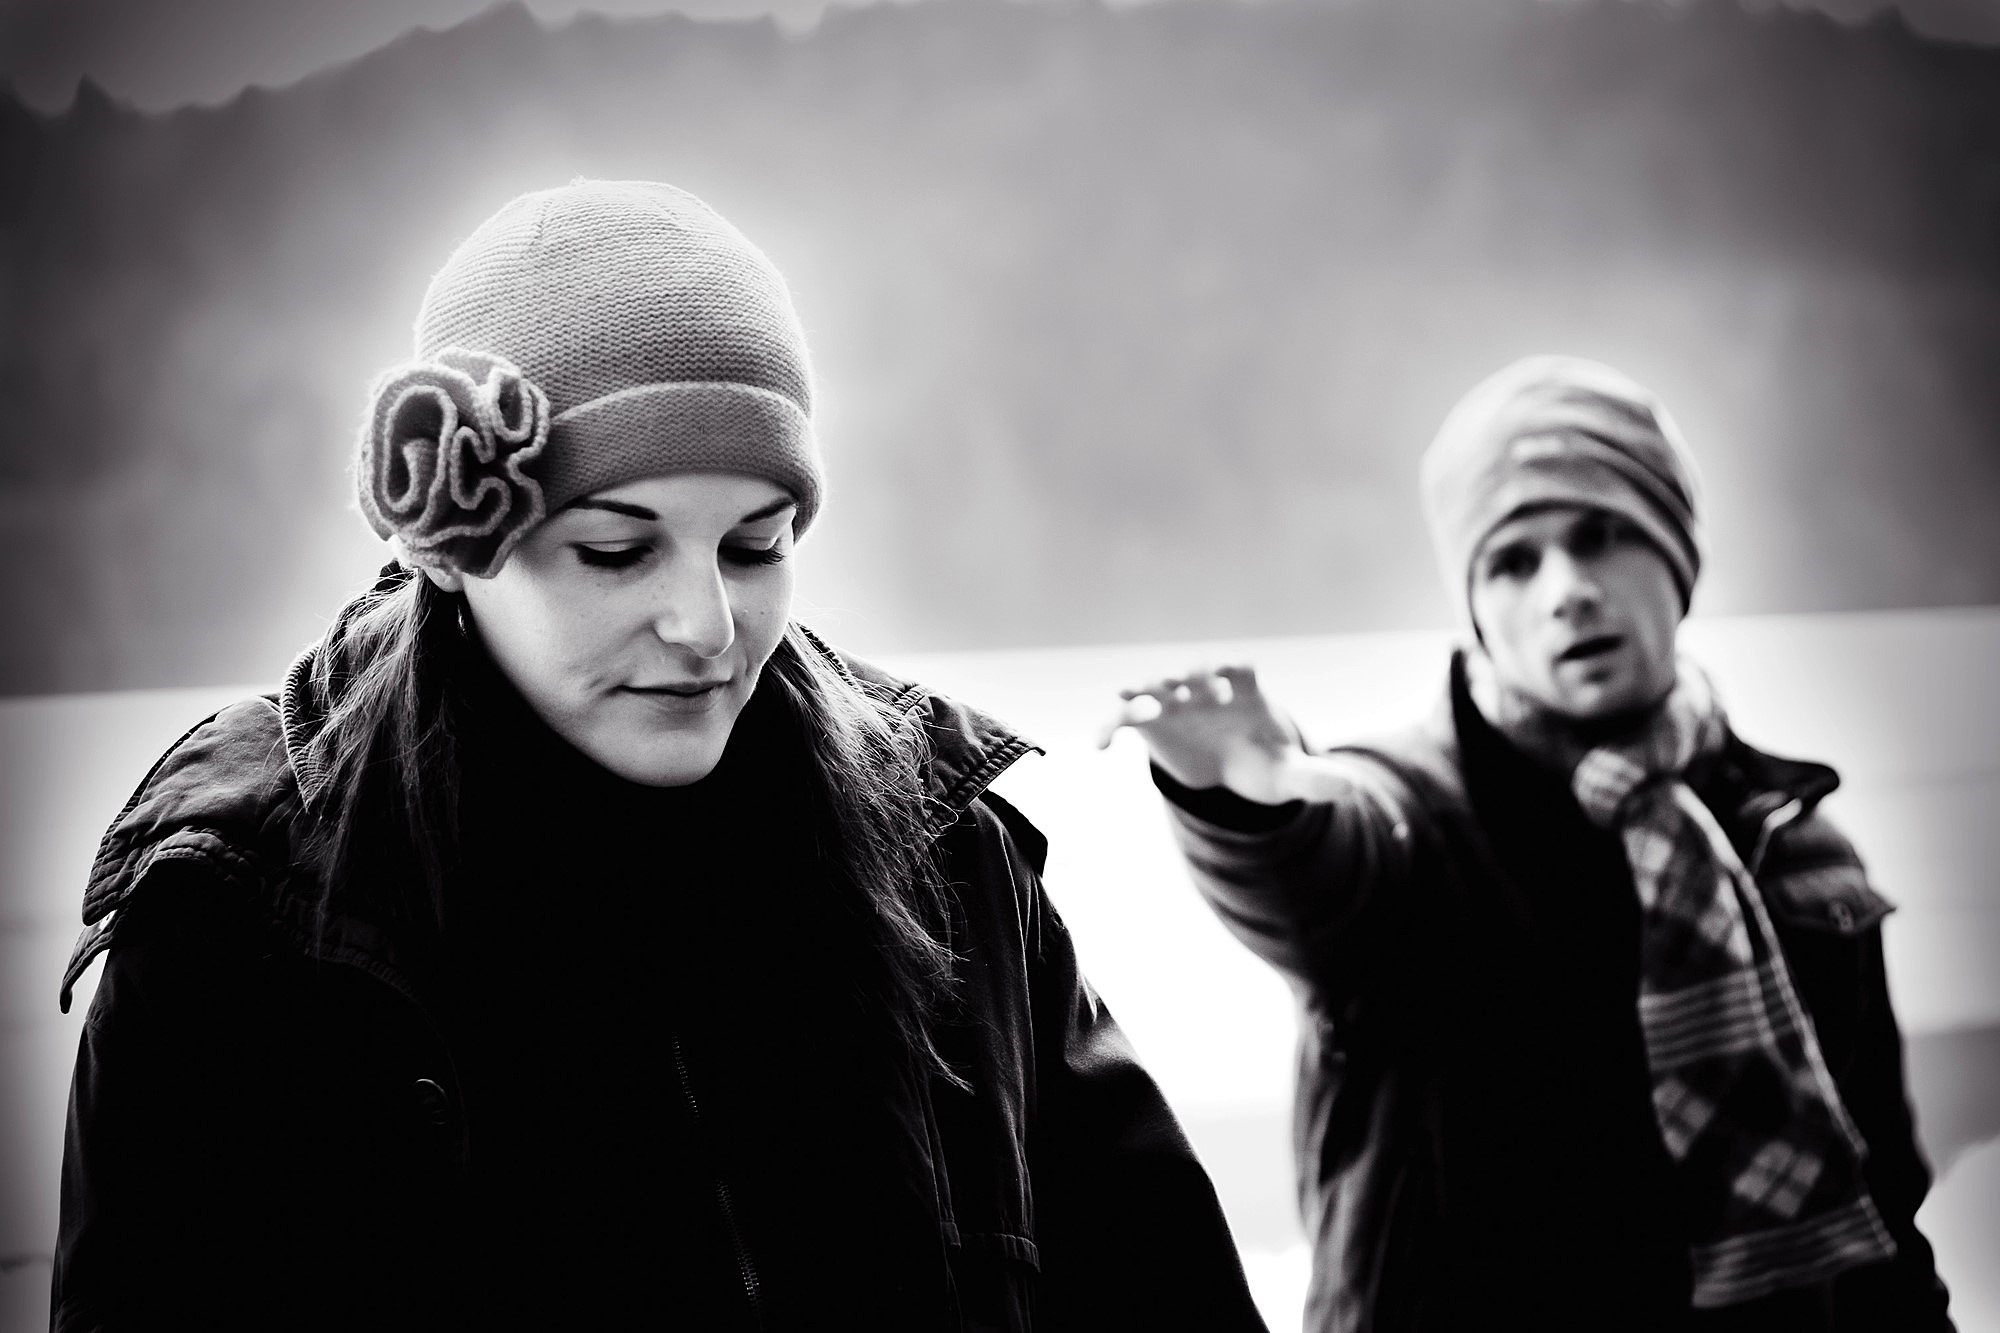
771,600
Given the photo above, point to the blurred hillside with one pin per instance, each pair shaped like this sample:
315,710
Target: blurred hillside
1130,324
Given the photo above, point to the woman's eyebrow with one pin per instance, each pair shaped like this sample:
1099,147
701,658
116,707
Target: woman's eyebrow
614,507
777,506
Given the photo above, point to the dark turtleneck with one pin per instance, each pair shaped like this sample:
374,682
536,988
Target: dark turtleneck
656,995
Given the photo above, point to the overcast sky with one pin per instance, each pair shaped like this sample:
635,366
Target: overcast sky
161,54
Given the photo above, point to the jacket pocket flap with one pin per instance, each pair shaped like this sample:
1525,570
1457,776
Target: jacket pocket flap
1018,1248
1833,898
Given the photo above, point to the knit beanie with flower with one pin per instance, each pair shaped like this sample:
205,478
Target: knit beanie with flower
1559,430
579,339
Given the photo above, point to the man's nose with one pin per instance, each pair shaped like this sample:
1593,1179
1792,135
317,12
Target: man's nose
1569,587
693,608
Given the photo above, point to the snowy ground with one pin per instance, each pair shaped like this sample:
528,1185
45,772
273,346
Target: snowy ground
1901,702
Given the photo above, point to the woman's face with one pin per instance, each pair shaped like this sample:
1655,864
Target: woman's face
636,620
1577,611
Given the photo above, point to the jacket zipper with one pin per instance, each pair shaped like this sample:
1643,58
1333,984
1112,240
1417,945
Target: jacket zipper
745,1269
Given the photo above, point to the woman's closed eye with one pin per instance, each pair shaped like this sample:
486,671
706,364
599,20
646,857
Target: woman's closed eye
631,552
754,555
622,556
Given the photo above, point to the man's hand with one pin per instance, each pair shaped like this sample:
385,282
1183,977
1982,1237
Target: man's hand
1215,729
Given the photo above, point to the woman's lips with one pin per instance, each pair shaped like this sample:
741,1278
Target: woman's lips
692,696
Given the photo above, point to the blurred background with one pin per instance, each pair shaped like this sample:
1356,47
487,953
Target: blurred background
1131,321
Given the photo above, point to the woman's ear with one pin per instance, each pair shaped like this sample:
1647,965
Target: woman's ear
447,580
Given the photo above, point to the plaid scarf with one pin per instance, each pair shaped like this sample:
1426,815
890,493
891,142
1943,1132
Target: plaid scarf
1767,1161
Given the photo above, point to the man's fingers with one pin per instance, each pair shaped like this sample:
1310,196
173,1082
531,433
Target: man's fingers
1158,689
1204,687
1140,708
1242,677
1167,690
1209,687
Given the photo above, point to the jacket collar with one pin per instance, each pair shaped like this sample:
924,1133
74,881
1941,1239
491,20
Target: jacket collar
222,796
1743,787
233,791
969,748
225,782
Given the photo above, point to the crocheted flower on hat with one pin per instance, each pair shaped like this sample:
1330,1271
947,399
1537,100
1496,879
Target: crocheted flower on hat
442,460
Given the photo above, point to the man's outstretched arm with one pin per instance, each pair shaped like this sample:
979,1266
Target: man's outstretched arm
1295,851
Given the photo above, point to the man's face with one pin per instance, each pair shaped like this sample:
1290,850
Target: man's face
1577,611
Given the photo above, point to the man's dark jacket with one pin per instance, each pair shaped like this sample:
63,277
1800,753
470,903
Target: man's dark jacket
267,1128
1474,1131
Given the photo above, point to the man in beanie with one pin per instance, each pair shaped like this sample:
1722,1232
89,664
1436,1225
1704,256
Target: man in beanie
1595,1032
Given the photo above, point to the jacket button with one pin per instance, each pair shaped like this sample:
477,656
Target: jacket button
1843,916
433,1102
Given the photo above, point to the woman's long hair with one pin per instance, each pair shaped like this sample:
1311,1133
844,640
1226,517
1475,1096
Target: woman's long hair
869,804
384,832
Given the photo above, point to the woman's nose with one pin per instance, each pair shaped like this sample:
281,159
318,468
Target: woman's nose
693,611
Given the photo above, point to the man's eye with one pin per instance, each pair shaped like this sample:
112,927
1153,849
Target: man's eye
611,557
1510,562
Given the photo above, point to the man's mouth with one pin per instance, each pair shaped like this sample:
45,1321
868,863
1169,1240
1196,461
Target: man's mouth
1583,650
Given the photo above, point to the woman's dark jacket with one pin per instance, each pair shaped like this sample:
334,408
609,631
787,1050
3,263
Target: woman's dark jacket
1474,1132
285,1122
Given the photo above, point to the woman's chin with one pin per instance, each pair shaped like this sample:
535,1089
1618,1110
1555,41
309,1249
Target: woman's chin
660,761
656,743
672,774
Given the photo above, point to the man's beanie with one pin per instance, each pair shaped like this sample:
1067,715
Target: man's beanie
1559,430
579,339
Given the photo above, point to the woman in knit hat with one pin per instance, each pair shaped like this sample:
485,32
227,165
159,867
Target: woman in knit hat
577,941
1597,1035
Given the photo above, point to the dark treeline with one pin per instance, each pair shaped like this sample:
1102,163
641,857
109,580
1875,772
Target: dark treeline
1130,323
